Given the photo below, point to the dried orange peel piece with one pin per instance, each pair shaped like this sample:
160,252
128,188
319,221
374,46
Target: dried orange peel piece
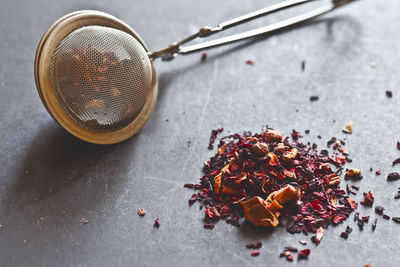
289,156
219,187
257,212
277,199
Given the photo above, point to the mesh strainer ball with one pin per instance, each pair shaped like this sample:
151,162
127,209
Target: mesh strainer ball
95,77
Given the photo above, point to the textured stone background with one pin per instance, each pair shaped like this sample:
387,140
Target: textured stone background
50,181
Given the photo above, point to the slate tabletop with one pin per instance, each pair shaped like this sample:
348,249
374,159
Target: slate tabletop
50,182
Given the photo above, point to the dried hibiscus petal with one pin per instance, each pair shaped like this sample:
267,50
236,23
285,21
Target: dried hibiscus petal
393,176
396,219
304,253
157,223
379,210
368,199
291,249
255,253
396,161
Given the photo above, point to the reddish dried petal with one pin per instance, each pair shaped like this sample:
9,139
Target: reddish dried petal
255,253
396,161
338,219
352,203
304,253
315,204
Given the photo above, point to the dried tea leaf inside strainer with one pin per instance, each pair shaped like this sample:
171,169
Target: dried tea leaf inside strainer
102,77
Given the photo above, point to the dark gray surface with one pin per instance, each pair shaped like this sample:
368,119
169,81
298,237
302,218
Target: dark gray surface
50,181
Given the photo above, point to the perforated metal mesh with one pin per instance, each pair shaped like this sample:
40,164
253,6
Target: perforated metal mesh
102,76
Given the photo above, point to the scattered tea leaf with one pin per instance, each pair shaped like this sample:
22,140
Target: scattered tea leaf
374,224
249,62
396,219
393,176
209,226
368,199
255,253
396,161
344,235
141,212
304,253
157,223
291,249
349,127
203,57
379,210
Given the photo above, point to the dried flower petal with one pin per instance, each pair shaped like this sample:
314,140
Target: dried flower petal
365,219
352,203
344,235
304,253
368,199
393,176
255,253
249,62
379,210
396,219
396,161
203,57
209,226
157,223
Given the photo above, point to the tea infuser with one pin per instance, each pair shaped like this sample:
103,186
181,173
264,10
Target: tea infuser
96,76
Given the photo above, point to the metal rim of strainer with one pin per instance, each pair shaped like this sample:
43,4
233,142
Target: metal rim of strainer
52,37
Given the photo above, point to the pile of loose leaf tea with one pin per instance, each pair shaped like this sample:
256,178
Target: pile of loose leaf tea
273,181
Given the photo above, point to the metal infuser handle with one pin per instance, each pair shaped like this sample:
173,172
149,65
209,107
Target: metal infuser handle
174,49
